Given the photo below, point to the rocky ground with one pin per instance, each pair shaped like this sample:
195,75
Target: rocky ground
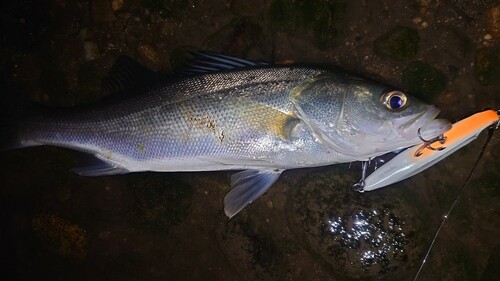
310,225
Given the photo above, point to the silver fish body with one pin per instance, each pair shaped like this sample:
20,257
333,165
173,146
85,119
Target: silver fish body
261,119
219,121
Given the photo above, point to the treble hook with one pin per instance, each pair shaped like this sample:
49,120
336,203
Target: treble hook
360,186
428,143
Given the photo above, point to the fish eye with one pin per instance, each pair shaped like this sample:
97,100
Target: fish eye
394,100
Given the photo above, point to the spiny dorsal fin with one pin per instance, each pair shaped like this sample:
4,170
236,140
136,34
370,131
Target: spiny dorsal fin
127,74
205,62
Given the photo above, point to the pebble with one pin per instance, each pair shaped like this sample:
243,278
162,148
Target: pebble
425,24
269,204
91,51
116,5
488,37
417,20
149,55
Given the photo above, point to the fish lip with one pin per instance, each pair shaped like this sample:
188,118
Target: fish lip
424,122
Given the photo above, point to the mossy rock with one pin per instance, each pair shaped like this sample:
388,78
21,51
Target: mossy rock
459,262
423,80
401,43
253,249
322,19
487,66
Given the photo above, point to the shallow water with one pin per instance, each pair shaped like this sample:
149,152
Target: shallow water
310,225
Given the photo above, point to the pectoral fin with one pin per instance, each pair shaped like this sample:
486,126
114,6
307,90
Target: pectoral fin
247,186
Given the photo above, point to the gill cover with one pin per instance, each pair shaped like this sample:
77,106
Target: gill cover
319,102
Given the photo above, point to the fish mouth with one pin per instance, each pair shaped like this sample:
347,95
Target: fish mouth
422,125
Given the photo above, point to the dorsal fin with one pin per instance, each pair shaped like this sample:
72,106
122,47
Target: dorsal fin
127,74
205,62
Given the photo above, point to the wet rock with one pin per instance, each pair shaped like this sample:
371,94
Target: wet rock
84,34
279,201
253,250
492,270
160,203
451,43
164,8
358,237
90,51
494,21
323,19
246,8
60,236
423,80
167,28
237,38
100,11
450,47
487,66
489,183
401,43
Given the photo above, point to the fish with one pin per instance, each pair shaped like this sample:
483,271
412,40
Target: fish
226,113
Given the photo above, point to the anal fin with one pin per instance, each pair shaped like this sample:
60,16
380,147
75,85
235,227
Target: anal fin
247,186
99,167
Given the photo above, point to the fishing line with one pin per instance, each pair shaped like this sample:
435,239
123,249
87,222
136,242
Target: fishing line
464,185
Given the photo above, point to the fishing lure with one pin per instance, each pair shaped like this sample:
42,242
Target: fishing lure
418,158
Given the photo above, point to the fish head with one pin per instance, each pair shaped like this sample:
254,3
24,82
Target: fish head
364,119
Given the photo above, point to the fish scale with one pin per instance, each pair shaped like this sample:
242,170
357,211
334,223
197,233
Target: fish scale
260,118
158,128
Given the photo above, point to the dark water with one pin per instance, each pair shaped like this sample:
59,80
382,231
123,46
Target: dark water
56,225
